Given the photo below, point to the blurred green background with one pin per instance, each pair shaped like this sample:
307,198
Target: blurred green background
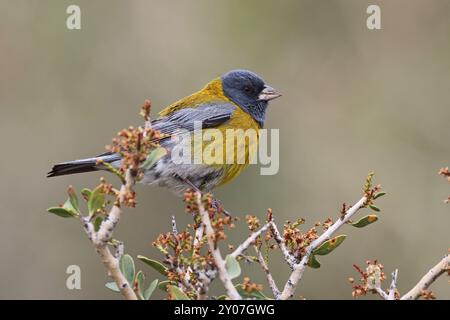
354,100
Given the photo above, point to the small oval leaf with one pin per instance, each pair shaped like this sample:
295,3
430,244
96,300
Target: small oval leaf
177,294
62,212
233,267
96,200
139,284
127,268
374,208
149,291
73,199
158,266
378,195
365,221
329,245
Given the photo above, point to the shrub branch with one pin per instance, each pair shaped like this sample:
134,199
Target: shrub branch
102,237
439,269
220,263
299,268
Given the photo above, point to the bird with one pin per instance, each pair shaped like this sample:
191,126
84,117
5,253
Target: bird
237,99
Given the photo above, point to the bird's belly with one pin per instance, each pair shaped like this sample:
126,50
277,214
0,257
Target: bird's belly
173,176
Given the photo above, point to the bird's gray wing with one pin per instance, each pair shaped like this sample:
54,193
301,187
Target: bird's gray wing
210,115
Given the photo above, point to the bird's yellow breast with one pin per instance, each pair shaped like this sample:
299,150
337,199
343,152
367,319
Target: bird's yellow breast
243,145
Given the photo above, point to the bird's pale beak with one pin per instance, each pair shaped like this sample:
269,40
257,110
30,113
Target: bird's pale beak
268,94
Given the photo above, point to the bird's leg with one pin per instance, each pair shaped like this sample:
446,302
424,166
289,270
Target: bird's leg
217,204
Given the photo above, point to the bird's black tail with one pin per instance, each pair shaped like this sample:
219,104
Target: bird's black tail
83,165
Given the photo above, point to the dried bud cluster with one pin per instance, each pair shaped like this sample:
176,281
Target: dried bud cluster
252,222
134,144
249,286
371,279
296,240
445,172
145,110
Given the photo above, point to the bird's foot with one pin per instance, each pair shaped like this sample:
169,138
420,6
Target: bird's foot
216,203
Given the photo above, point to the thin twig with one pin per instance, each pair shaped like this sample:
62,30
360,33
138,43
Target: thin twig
290,259
393,286
249,241
273,286
215,251
440,268
198,234
299,268
104,234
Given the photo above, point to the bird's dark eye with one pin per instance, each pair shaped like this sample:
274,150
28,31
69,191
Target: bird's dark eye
247,89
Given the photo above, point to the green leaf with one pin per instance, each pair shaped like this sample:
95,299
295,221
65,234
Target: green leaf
86,193
177,293
365,221
140,278
329,245
222,297
96,200
163,285
112,286
153,157
97,223
70,208
127,268
312,262
255,294
149,291
73,199
233,267
378,195
62,212
374,208
158,266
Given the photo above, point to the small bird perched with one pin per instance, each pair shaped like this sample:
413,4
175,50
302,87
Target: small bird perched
236,100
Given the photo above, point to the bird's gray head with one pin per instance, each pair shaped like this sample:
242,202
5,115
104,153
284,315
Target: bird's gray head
248,90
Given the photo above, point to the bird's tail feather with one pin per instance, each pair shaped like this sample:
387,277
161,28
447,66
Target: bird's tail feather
83,165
